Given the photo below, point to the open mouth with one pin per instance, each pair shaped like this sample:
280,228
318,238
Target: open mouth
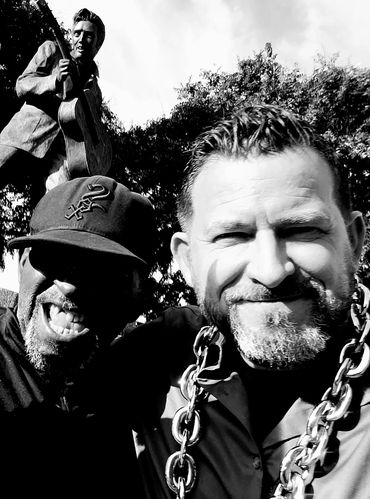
67,324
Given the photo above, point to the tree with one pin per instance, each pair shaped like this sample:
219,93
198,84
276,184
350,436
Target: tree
335,99
151,159
21,32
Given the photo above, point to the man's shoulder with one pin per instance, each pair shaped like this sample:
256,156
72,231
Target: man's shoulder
6,314
173,320
3,311
9,325
187,316
8,298
170,335
48,48
148,358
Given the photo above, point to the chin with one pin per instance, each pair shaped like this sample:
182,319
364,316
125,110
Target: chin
51,358
279,347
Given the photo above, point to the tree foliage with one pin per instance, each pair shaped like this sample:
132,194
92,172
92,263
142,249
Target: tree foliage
22,30
335,99
150,159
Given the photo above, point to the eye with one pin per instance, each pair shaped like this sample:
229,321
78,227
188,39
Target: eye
233,237
305,232
39,260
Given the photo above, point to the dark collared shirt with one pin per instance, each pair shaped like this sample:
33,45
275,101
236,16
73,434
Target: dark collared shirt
231,464
76,447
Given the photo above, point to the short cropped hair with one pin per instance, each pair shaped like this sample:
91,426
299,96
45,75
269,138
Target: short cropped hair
88,15
258,129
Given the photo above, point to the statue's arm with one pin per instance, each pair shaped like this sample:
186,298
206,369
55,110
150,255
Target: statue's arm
40,76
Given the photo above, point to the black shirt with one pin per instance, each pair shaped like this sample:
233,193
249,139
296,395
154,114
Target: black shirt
48,449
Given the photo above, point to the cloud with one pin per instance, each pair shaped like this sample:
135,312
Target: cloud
152,46
160,45
266,20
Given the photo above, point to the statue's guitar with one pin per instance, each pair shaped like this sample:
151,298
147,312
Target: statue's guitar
88,147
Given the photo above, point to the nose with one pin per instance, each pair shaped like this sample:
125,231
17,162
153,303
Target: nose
67,288
268,261
84,36
79,36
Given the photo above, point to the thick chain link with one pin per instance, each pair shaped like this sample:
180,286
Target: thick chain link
298,466
181,471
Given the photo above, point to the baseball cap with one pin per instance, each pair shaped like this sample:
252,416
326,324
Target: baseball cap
95,213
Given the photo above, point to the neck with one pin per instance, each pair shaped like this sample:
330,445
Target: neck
57,370
271,393
84,64
74,387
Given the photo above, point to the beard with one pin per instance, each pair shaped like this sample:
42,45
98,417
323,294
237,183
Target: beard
283,345
51,359
278,342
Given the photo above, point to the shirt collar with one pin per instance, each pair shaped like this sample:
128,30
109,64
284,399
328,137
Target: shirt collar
219,376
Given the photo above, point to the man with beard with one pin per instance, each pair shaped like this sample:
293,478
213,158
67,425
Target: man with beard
82,274
255,404
32,143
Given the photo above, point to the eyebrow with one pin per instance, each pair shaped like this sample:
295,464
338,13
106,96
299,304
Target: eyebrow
83,29
228,226
314,218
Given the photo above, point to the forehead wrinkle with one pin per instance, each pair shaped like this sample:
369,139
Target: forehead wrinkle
256,188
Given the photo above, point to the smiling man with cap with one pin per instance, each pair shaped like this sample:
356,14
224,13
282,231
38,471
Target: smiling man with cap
82,268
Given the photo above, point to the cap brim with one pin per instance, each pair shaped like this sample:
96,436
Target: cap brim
78,239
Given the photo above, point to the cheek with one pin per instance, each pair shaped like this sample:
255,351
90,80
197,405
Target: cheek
26,305
32,284
215,270
322,262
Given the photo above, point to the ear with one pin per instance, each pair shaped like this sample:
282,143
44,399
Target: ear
23,257
181,253
356,232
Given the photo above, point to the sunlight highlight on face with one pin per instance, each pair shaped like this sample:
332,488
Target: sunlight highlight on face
270,255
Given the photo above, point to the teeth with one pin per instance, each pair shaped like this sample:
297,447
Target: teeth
64,331
60,329
62,317
65,322
53,311
73,317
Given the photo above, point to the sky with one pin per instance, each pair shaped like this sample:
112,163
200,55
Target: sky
154,46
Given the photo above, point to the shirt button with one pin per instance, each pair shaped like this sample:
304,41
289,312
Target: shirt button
257,463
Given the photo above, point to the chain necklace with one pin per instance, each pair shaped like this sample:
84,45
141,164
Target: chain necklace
180,467
298,466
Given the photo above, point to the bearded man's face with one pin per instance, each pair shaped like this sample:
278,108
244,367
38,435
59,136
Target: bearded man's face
270,255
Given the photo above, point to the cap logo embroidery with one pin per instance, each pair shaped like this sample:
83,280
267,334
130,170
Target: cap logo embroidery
88,201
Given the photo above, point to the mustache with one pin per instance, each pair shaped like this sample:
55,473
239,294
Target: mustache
53,296
290,288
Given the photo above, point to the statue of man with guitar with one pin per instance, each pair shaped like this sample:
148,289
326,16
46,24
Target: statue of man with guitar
59,124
